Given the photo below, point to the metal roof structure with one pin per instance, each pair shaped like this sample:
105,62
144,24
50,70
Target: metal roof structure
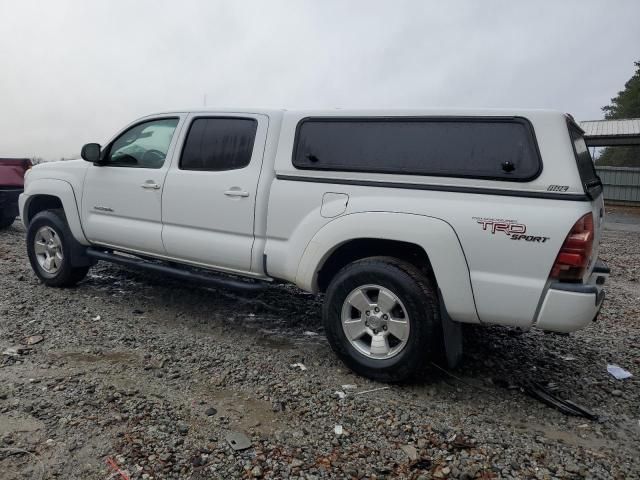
605,133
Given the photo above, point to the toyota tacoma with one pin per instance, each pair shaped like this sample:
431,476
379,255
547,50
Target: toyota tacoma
410,222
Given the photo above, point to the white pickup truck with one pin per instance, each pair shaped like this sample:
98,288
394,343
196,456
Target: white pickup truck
410,222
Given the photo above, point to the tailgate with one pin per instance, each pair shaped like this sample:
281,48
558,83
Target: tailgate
12,172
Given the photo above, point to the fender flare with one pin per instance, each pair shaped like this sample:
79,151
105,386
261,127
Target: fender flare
62,190
437,237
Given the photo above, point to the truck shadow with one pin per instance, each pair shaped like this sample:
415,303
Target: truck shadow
496,357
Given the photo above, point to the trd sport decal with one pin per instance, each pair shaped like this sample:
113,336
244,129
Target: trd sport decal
511,228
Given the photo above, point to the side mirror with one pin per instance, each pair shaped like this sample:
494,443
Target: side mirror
91,152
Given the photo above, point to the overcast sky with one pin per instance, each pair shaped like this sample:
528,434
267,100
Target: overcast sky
76,71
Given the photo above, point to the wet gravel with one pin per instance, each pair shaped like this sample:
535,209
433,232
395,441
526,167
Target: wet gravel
150,375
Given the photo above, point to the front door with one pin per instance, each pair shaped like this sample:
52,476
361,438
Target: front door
210,192
122,196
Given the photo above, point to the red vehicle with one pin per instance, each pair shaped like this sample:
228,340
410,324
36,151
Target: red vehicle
12,172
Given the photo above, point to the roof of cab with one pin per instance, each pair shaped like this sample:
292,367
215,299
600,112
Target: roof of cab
374,112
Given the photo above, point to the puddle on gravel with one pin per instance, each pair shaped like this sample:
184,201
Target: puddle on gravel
277,343
245,412
81,357
17,463
12,424
567,436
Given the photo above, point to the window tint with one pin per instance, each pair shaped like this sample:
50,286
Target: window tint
586,168
219,144
479,148
144,145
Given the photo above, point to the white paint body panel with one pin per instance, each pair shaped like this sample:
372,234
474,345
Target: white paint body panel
297,218
201,221
133,219
432,234
62,188
567,311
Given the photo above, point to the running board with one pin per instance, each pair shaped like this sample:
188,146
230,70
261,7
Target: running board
137,262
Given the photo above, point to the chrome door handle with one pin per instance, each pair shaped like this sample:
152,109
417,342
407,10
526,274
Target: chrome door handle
150,186
236,193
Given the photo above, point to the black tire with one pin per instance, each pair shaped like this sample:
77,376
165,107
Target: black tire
418,295
66,275
6,222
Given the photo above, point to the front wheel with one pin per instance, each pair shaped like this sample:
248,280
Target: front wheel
382,318
49,247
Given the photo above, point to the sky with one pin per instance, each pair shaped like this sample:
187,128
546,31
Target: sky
76,71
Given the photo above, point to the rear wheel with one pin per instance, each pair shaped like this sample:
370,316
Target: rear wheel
49,244
382,318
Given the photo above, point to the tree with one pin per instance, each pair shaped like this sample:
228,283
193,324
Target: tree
625,105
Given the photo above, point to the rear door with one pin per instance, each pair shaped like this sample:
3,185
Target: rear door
209,196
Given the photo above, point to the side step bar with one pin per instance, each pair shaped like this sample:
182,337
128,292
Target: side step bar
137,262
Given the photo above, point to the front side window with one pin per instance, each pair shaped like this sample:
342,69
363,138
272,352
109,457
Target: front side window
144,145
217,144
489,148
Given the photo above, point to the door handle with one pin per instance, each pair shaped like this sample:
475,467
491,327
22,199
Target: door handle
150,185
236,193
100,208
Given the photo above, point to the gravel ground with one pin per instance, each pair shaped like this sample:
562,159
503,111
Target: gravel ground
152,375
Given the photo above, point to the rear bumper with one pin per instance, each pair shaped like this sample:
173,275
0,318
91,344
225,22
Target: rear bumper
568,307
9,201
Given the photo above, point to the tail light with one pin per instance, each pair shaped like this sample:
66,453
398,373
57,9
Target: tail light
575,253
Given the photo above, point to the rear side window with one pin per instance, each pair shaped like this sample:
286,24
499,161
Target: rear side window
586,169
488,148
217,144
